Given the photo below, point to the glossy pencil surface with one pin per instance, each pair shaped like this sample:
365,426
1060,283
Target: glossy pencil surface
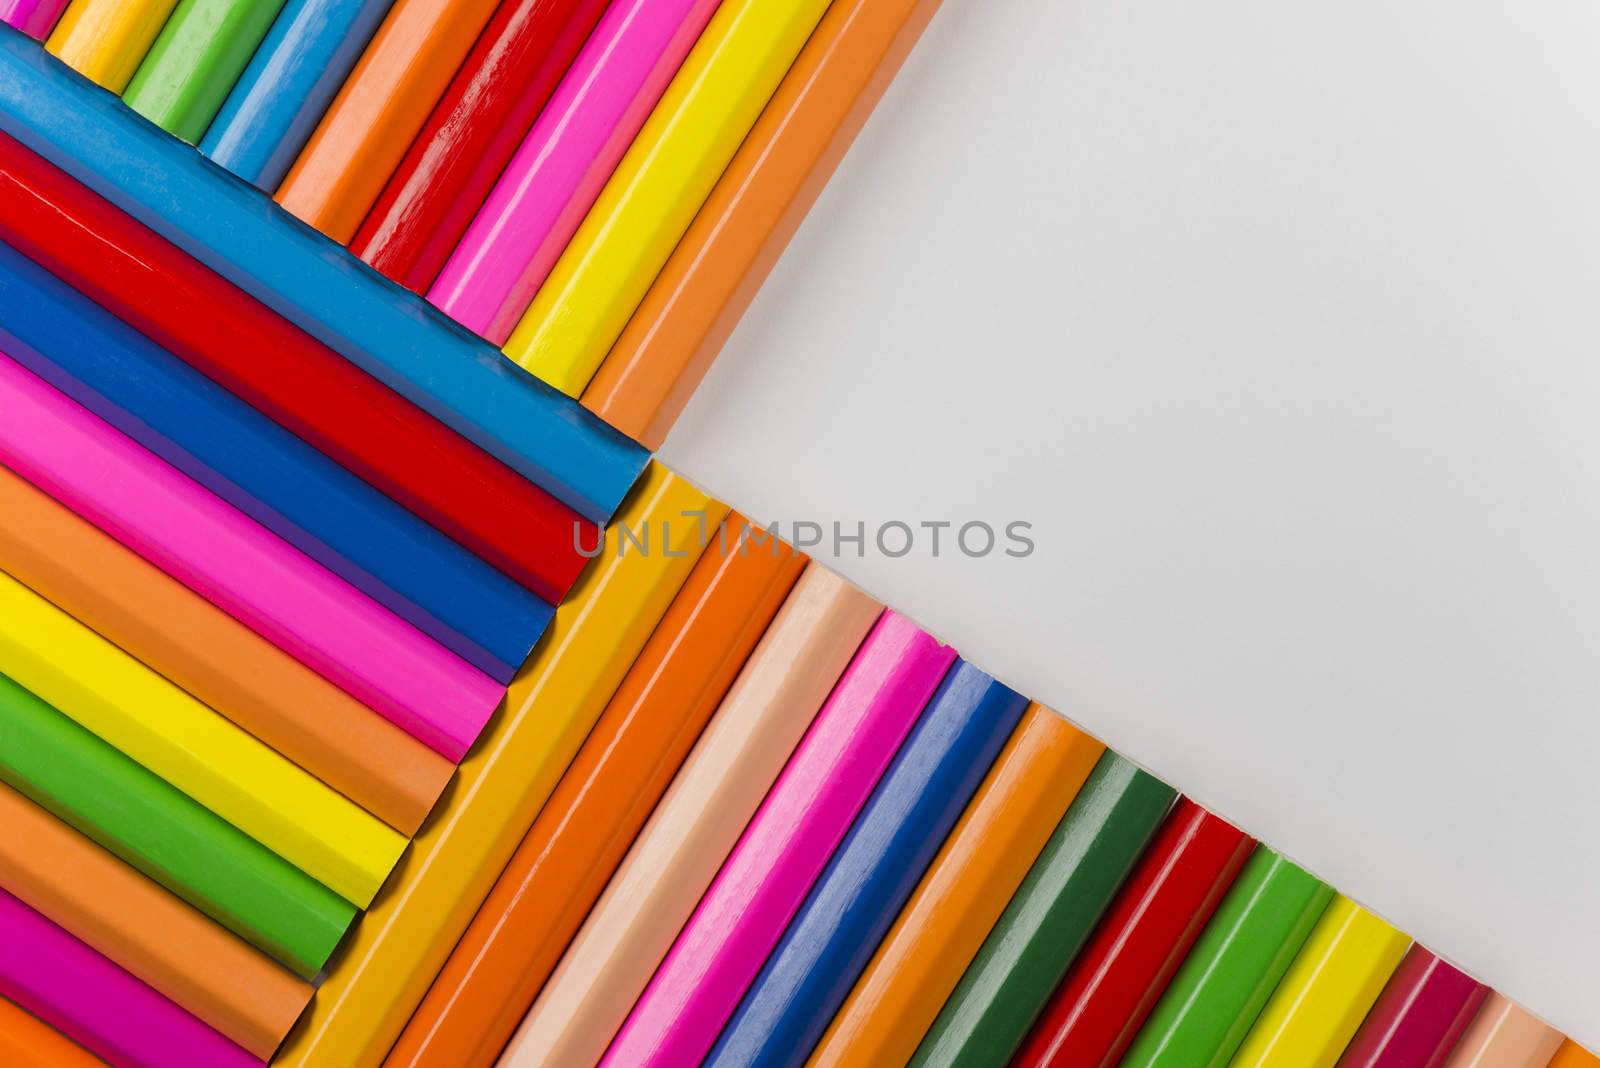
287,375
723,258
197,855
1050,917
471,135
857,898
1146,934
219,660
28,1042
146,931
788,842
282,94
1419,1017
257,578
1572,1055
291,489
400,945
580,837
167,731
380,108
105,40
986,857
195,61
658,187
391,335
1234,967
559,169
677,853
36,18
1505,1035
1327,992
97,1004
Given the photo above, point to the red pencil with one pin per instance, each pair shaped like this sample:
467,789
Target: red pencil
1104,999
251,351
472,134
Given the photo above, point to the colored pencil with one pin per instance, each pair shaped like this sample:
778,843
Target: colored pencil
146,931
1419,1017
1050,918
753,211
379,110
558,171
696,824
658,187
181,635
471,135
963,892
1233,969
1327,991
290,488
304,386
28,1042
386,966
394,336
288,84
891,844
193,64
603,799
95,1003
105,40
1148,931
1572,1055
1505,1035
233,879
125,704
786,846
257,578
36,18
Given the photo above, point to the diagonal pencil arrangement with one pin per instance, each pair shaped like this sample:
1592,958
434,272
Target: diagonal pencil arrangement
368,695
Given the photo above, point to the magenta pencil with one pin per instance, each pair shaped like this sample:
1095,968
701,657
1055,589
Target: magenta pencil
98,1005
1419,1017
783,850
36,18
245,570
565,160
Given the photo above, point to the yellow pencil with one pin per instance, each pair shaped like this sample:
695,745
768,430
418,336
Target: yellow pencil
106,40
682,150
160,726
1327,991
401,944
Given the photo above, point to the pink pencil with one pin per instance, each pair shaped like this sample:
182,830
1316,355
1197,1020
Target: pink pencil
565,160
36,18
95,1003
239,566
783,850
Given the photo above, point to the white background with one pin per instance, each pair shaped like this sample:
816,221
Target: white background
1280,321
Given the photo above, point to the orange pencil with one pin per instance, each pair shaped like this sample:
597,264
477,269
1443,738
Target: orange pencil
151,616
604,798
1572,1055
1023,797
139,926
755,208
27,1042
695,825
373,120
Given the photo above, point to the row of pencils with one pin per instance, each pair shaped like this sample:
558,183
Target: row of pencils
369,696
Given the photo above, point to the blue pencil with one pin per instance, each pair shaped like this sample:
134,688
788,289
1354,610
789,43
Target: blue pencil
393,335
266,472
293,77
893,840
